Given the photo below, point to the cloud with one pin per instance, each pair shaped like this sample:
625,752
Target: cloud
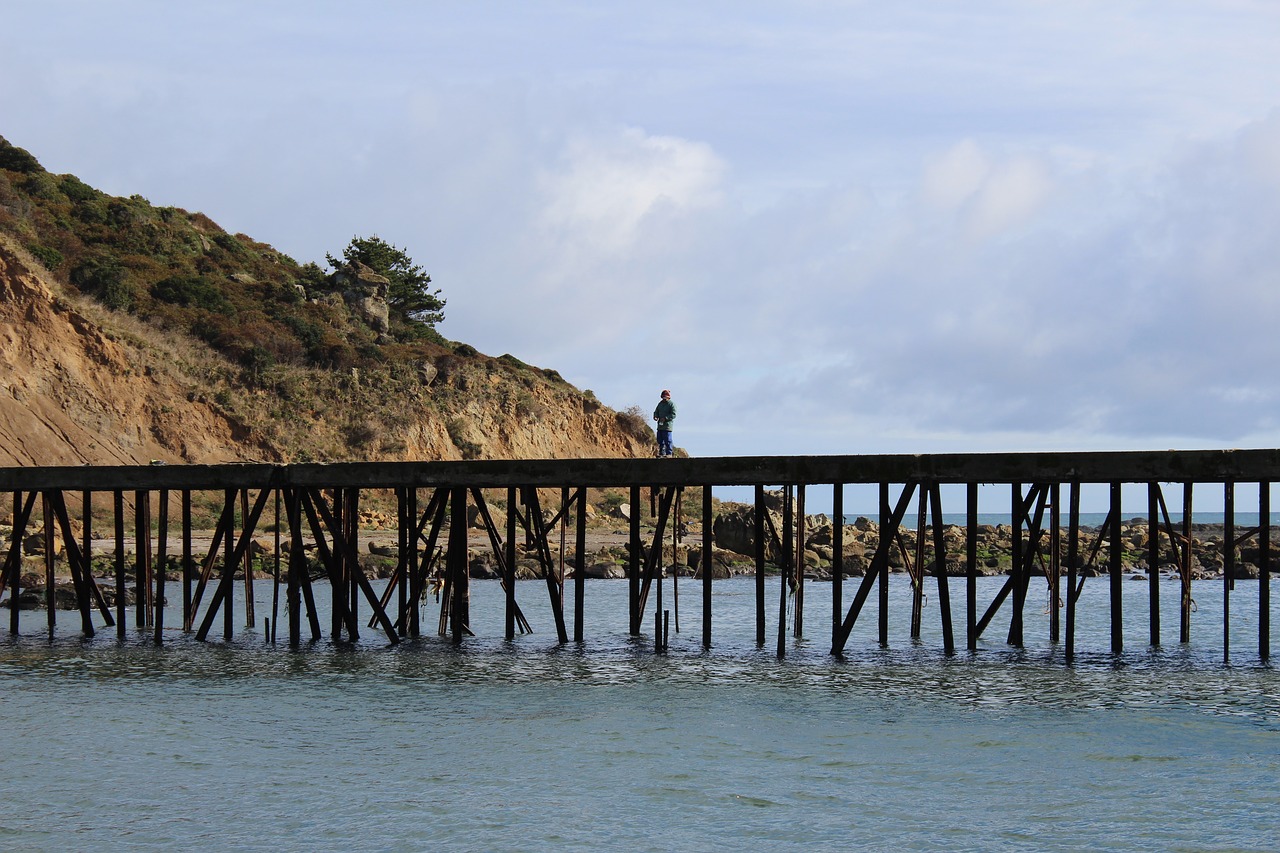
839,227
608,192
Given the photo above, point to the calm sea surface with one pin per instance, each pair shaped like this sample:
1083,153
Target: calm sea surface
607,746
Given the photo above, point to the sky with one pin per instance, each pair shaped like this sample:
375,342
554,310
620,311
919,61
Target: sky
827,227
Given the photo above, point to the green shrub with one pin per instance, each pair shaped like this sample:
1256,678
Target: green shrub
191,291
17,159
105,280
466,350
42,185
228,243
76,189
51,258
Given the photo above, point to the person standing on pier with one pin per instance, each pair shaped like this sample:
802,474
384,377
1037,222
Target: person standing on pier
664,414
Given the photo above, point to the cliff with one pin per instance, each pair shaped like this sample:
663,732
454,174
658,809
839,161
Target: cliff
88,382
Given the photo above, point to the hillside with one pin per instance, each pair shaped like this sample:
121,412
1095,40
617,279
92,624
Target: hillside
130,333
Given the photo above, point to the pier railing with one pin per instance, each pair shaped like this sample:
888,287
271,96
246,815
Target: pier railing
316,511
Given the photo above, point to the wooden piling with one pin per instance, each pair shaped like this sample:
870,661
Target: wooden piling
118,506
634,561
971,565
1153,560
1264,570
1114,570
798,577
1228,563
1016,578
708,567
788,543
1055,564
837,556
888,531
758,525
1184,632
50,579
940,570
1073,559
580,568
188,567
162,554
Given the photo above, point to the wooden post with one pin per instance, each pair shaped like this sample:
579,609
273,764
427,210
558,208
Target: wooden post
275,587
1019,567
120,582
708,565
788,562
676,509
654,566
141,557
971,565
50,580
1114,570
886,516
297,565
459,615
580,563
86,549
1073,558
837,556
250,612
798,628
228,567
187,566
758,520
940,567
1184,633
162,554
1153,559
1264,570
1055,564
1228,563
634,561
917,575
510,545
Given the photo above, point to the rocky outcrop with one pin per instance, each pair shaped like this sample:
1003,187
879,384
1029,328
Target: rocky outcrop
366,293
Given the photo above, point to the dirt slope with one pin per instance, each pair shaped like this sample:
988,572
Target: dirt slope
82,385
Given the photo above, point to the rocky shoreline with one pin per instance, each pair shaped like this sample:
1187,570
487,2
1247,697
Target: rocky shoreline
608,547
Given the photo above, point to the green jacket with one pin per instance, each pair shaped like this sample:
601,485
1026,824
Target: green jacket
665,413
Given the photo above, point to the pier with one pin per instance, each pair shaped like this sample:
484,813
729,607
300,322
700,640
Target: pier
313,511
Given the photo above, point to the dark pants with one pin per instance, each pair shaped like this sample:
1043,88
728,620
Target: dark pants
664,442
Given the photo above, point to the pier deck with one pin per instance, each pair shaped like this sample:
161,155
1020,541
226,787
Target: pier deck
315,507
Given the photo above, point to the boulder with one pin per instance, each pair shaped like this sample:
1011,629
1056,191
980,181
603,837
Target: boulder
476,520
366,292
605,571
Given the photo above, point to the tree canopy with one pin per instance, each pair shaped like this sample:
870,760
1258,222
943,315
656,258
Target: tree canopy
409,295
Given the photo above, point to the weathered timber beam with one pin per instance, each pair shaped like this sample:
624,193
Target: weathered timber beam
1203,466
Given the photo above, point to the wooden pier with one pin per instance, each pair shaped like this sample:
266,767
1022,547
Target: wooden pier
315,507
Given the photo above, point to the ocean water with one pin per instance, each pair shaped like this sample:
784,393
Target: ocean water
1242,520
529,745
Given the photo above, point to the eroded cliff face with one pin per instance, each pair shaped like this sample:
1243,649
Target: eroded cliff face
71,394
80,385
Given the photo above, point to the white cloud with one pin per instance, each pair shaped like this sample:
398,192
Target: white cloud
606,193
831,227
